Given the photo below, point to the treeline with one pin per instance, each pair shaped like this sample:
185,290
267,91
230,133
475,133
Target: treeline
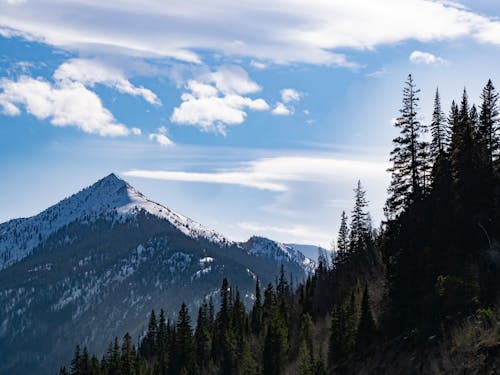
440,242
434,261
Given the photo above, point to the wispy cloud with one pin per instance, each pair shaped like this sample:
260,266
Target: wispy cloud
161,137
377,73
274,174
89,72
301,31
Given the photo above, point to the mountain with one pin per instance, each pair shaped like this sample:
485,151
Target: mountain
95,264
310,251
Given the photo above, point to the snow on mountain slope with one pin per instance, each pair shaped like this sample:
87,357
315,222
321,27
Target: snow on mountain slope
110,198
264,247
311,251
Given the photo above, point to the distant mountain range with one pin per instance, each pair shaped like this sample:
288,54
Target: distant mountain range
310,251
95,264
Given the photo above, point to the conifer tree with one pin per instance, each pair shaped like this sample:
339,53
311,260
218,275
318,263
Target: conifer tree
366,327
275,345
337,350
489,123
223,315
282,288
439,130
248,363
359,231
185,351
342,239
463,160
256,316
162,344
127,361
75,362
203,337
305,361
148,345
408,156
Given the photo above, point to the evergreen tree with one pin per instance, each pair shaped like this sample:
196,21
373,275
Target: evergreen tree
76,362
282,287
439,129
248,364
305,361
275,345
203,337
162,344
337,349
366,328
185,350
359,231
113,358
95,368
223,315
256,316
463,159
342,239
408,156
488,123
127,362
148,345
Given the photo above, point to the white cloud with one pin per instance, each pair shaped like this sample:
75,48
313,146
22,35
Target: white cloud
89,72
295,232
14,2
258,64
231,79
65,103
287,96
377,73
161,137
214,100
279,32
281,110
419,57
274,174
290,95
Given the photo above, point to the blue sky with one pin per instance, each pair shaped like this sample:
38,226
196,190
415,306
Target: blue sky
249,117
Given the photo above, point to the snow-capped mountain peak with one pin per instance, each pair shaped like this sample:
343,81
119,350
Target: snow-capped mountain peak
110,198
264,247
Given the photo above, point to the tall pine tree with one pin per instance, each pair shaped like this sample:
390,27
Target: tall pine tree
408,156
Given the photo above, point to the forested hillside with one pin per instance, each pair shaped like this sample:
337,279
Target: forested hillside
418,295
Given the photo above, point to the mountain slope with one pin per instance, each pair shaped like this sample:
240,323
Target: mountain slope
110,197
94,265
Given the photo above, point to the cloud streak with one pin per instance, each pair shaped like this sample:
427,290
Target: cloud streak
274,174
280,32
90,72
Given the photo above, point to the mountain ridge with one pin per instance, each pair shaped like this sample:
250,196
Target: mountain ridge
105,197
94,264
